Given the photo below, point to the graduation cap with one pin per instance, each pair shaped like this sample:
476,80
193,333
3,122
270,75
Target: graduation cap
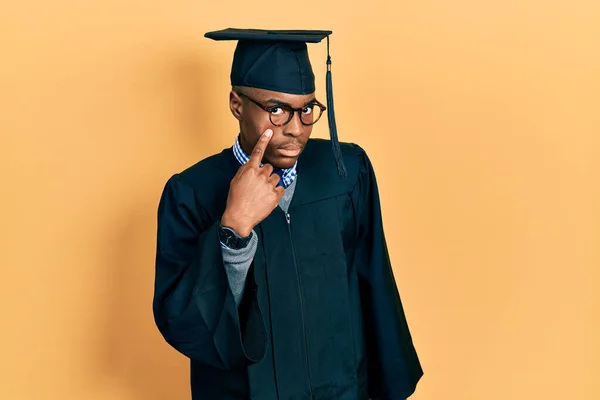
278,60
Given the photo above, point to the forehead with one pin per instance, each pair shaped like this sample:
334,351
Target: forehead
295,100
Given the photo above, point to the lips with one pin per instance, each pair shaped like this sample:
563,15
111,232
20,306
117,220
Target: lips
290,150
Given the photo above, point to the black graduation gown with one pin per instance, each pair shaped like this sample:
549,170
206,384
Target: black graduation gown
321,317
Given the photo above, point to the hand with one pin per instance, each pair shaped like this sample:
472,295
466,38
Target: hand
253,191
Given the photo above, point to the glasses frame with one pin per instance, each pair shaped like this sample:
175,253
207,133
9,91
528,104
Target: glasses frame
292,110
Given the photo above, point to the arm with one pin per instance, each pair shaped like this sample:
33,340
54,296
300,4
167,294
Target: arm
194,307
393,364
237,263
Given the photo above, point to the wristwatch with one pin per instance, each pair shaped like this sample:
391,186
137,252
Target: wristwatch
231,239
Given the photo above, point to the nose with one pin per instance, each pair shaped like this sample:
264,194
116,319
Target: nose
295,126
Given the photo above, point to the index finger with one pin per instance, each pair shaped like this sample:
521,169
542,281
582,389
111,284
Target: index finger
259,149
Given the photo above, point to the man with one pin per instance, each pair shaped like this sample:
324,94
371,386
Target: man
272,271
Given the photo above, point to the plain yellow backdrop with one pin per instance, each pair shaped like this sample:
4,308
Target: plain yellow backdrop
482,119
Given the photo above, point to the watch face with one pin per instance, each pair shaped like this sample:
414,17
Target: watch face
231,240
227,237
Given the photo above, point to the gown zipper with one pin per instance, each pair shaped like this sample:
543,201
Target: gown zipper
288,219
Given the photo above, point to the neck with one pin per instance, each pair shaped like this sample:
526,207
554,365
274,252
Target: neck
247,147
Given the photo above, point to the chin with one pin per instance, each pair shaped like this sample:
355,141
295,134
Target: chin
282,162
285,164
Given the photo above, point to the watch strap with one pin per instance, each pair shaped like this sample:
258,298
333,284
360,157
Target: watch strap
231,239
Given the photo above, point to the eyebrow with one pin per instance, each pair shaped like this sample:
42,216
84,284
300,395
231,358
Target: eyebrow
283,103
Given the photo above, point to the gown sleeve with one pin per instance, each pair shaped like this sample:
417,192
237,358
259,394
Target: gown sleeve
194,307
393,365
237,263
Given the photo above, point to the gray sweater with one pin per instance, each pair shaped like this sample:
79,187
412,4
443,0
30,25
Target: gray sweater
237,262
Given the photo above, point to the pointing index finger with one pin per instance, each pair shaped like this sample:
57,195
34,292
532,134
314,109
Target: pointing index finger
259,149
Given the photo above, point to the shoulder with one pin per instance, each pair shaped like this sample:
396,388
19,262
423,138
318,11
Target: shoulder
319,152
206,181
208,170
318,167
352,152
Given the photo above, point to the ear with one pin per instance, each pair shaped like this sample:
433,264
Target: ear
236,105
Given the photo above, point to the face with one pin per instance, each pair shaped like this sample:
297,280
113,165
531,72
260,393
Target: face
288,141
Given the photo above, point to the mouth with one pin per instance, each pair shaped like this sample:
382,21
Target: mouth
290,150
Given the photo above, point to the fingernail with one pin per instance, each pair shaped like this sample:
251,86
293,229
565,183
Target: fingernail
269,132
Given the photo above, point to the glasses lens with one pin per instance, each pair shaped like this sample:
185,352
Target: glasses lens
280,115
311,114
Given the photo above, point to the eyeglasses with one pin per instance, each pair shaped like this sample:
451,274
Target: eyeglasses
282,114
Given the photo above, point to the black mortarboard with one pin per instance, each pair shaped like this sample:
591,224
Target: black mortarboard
278,60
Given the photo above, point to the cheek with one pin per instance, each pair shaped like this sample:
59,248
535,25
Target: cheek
257,123
307,132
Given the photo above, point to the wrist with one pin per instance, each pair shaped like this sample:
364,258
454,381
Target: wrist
241,229
231,240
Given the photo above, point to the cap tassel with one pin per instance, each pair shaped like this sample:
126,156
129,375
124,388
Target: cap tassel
337,151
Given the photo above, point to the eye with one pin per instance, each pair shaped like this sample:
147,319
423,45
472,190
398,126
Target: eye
307,110
276,110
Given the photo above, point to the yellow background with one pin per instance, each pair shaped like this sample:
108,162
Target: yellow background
483,122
